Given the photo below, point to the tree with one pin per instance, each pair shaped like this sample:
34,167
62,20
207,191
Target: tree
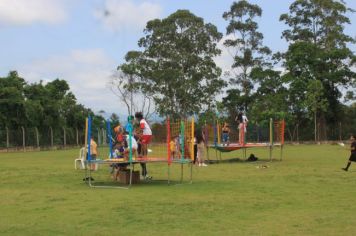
315,101
12,102
319,51
123,86
247,48
176,64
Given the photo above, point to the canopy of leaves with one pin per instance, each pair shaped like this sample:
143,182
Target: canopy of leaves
176,64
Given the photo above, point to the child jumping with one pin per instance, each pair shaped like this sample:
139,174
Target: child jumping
225,134
353,152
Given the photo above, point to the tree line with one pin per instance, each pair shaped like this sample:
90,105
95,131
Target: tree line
42,105
175,67
175,74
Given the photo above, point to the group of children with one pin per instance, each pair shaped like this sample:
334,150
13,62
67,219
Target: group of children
142,135
138,144
176,143
242,121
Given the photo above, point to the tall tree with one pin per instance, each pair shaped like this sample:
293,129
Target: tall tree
12,102
246,46
176,63
319,51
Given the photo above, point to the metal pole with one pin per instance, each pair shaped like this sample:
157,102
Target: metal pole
77,136
64,137
99,138
37,138
23,138
51,130
103,135
7,138
340,132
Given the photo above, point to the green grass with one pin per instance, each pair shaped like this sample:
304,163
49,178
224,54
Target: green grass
305,194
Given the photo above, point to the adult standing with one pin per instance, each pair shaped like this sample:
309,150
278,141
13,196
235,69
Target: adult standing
353,152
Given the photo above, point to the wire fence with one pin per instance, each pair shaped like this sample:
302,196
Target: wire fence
27,139
47,138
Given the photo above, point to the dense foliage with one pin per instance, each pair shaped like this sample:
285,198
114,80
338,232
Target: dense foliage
40,105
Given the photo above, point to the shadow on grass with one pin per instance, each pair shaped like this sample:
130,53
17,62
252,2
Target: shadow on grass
142,183
238,160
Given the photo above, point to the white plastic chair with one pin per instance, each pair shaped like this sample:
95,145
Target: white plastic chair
81,159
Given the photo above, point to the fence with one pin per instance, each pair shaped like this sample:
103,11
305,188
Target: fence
32,138
46,138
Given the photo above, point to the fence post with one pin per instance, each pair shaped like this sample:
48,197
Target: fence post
97,130
77,136
37,138
7,139
318,133
23,139
104,136
50,128
64,137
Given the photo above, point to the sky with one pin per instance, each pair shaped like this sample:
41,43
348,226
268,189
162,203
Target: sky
83,41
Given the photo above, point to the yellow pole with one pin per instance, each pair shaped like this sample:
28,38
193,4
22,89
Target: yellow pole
86,136
192,142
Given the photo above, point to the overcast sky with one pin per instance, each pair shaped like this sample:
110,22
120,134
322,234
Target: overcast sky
83,41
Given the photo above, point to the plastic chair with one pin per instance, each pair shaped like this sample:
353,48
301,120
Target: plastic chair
81,159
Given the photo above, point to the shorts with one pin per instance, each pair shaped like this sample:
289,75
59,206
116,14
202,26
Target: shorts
93,157
146,139
225,137
353,157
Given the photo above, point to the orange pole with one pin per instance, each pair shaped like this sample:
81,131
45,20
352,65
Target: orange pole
168,142
282,131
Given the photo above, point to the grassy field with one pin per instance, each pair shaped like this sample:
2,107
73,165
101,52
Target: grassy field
305,194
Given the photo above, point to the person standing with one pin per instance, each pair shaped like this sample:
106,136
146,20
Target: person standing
93,152
200,149
353,153
225,134
145,139
239,119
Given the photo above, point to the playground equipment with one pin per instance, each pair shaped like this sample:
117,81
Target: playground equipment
275,139
160,145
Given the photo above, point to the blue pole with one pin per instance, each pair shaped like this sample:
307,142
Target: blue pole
108,131
130,138
89,138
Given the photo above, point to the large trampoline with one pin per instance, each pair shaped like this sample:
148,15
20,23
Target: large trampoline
275,139
161,154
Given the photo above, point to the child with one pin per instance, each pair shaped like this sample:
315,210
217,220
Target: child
134,146
145,139
118,153
178,142
172,147
225,134
201,151
146,133
93,152
241,128
119,133
353,152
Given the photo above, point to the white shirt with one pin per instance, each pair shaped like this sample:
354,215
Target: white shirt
133,140
244,119
146,130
